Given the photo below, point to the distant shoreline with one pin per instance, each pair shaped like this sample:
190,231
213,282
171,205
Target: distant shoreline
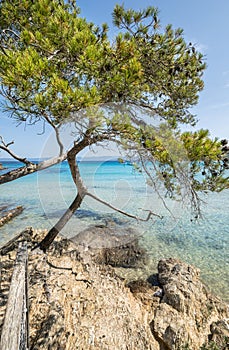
94,159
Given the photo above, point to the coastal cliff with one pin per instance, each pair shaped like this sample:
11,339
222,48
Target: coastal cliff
78,303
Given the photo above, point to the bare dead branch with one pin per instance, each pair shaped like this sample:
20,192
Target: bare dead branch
154,184
5,147
52,55
150,214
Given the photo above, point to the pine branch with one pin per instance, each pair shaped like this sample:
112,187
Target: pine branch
5,147
150,214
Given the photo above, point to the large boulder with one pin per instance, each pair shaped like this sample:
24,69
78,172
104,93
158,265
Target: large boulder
112,245
188,314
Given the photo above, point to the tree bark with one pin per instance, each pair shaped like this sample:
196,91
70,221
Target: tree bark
29,169
55,230
14,331
10,214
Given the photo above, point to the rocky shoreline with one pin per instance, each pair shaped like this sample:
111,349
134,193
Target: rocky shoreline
77,301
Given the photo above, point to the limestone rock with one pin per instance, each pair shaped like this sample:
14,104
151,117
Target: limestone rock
220,333
187,312
83,306
78,304
111,245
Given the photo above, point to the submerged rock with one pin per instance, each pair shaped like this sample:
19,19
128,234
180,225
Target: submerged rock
129,255
111,245
104,236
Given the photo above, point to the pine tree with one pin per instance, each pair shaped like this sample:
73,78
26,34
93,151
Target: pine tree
56,67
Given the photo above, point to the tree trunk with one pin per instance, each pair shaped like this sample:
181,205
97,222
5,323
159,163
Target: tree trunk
55,230
82,190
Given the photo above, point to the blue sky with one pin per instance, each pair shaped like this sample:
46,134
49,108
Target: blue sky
205,23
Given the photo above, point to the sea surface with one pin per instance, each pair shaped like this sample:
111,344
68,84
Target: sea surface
46,195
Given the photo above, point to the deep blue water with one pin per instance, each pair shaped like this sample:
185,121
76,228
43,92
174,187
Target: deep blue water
46,195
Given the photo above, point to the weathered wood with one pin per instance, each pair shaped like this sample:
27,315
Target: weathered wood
14,331
10,214
49,238
12,244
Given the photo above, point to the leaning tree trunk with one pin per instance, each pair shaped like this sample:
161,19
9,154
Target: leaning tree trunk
55,230
30,169
71,157
82,190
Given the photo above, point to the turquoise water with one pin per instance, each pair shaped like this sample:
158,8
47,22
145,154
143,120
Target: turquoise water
46,195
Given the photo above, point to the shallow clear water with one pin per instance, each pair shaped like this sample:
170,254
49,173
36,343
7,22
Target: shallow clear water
46,195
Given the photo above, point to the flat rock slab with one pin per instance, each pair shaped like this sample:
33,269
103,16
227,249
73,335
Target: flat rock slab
102,236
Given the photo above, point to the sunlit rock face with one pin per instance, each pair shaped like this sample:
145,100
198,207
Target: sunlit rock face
76,303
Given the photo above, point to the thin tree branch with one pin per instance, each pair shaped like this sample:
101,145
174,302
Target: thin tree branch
5,147
154,185
31,167
82,189
56,129
150,214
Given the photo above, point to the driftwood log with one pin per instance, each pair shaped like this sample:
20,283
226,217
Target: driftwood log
10,214
15,328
